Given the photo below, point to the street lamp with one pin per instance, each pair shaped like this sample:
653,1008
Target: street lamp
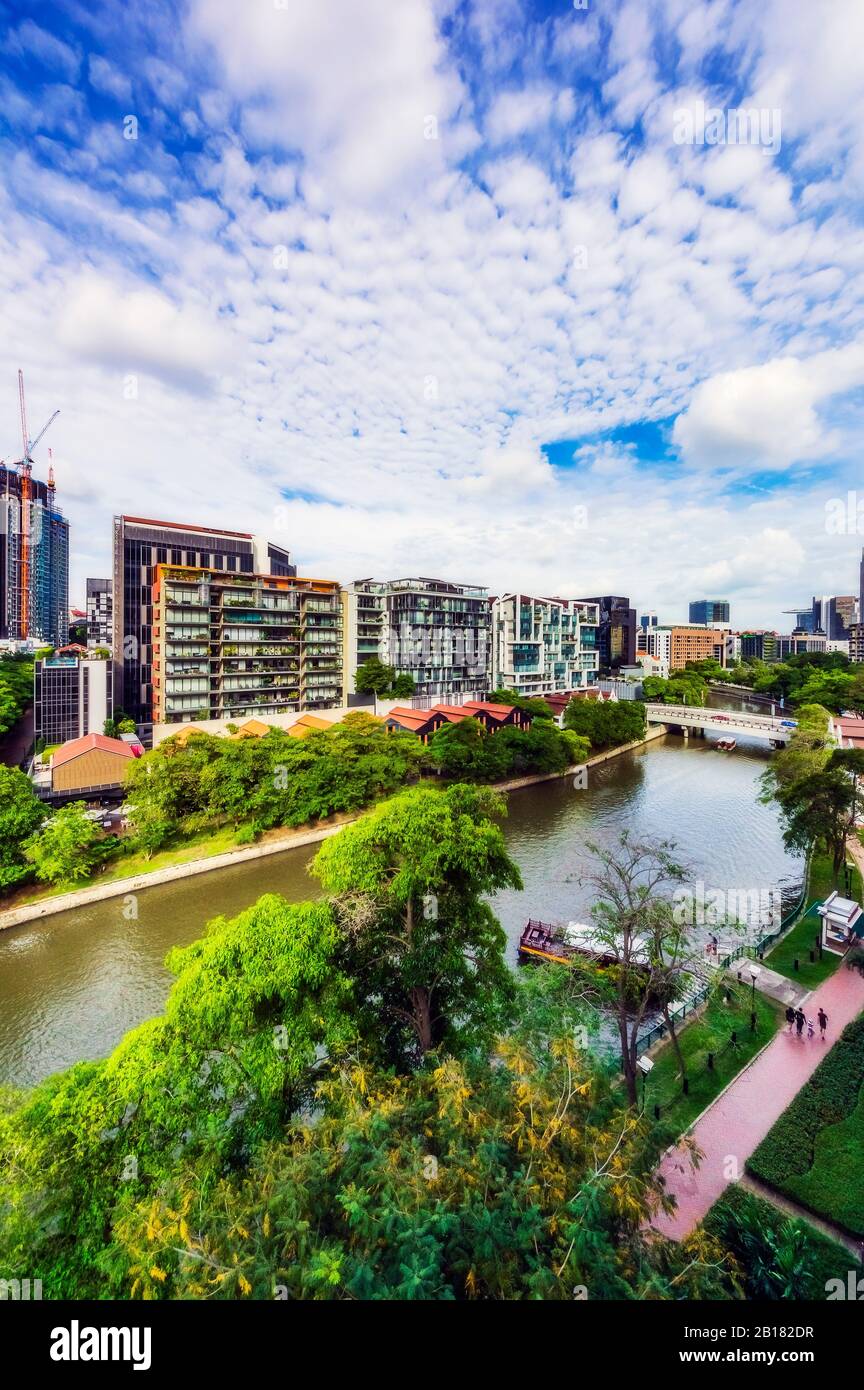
646,1066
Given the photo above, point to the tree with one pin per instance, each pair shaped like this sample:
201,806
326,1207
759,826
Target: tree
258,1008
403,687
408,883
635,922
606,724
521,1180
373,677
806,753
64,850
21,813
823,805
468,752
534,705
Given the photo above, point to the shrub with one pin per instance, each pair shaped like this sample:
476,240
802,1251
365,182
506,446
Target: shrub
828,1097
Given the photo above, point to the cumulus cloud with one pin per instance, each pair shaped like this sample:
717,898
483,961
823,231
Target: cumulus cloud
766,416
141,330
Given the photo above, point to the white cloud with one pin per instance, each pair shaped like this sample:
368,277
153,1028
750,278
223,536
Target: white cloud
766,416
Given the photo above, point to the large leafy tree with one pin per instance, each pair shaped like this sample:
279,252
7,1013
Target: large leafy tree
21,813
65,850
258,1007
824,804
409,883
519,1180
606,724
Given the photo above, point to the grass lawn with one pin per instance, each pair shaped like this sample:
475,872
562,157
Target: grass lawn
201,846
710,1032
835,1185
798,943
814,1152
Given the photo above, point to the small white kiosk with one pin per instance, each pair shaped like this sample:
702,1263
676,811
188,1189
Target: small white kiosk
842,923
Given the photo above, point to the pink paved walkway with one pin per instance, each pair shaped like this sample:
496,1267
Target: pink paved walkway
739,1119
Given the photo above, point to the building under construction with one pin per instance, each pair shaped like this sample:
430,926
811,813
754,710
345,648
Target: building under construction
34,549
34,561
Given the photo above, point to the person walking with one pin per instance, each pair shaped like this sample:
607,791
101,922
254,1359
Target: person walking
823,1022
799,1021
790,1018
811,1029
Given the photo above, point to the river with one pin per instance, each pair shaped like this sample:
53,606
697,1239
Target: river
71,985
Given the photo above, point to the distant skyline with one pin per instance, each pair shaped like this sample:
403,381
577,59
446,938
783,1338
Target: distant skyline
442,287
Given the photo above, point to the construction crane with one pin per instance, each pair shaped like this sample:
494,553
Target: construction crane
25,470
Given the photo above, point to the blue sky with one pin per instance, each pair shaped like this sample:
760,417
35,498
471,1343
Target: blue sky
465,287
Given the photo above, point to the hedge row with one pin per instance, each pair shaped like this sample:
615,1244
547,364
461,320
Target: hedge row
831,1095
739,1218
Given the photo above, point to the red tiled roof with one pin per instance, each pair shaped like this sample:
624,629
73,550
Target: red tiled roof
410,718
76,746
490,707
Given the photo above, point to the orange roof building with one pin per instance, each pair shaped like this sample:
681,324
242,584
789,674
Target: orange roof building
91,763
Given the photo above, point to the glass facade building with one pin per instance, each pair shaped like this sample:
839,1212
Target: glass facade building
43,612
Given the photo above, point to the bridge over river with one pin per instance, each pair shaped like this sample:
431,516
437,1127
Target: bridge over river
696,719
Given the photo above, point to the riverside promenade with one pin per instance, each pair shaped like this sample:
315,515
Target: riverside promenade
738,1120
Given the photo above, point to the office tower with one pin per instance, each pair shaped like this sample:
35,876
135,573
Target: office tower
543,645
139,546
616,633
434,631
226,646
73,696
34,560
833,615
710,611
759,646
100,621
677,645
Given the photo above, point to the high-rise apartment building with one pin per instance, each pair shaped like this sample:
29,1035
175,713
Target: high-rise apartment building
434,631
856,642
543,645
100,613
616,632
34,561
225,646
140,545
73,696
708,611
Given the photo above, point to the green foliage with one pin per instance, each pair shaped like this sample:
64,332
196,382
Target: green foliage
372,676
687,687
534,705
606,724
409,883
822,803
275,780
813,1151
423,1188
16,689
64,850
256,1001
21,813
467,751
822,678
779,1257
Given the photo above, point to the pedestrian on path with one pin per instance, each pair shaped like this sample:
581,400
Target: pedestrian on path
811,1029
823,1022
790,1018
799,1021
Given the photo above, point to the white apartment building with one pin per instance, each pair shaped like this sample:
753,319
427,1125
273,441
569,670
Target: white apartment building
434,631
543,645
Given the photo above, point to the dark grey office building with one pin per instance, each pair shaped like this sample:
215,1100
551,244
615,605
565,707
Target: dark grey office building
139,546
616,633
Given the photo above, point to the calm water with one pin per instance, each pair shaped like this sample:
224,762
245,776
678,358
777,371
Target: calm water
72,985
